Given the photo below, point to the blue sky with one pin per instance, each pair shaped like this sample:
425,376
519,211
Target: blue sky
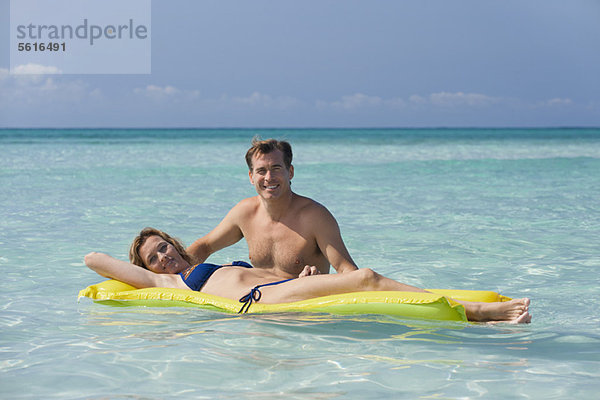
342,63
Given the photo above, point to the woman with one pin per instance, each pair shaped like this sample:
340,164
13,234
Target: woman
165,263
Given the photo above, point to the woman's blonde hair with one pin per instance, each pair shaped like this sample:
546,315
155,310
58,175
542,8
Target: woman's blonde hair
139,240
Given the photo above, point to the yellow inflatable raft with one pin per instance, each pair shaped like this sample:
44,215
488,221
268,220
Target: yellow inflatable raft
436,305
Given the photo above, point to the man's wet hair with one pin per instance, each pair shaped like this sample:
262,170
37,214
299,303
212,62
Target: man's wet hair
266,146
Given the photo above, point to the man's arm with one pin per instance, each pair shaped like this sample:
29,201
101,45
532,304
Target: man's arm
329,240
225,234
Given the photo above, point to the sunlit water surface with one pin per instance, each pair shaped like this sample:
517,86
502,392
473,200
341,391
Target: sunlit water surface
515,211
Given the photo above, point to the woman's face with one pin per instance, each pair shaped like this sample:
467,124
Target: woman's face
161,257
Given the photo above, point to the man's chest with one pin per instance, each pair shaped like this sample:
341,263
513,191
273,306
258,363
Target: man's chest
279,244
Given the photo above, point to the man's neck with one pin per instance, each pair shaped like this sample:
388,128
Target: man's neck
277,208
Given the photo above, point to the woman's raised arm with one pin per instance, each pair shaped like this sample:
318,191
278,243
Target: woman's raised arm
131,274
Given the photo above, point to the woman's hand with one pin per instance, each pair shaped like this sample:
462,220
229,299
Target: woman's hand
308,271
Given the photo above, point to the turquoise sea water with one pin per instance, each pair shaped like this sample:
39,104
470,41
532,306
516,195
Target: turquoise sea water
515,211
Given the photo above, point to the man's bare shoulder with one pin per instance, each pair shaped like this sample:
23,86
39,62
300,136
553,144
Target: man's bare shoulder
249,202
246,207
310,208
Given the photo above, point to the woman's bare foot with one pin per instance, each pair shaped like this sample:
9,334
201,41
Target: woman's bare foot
514,311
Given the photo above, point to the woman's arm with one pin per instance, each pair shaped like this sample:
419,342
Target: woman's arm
133,275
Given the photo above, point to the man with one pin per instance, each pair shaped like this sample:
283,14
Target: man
288,234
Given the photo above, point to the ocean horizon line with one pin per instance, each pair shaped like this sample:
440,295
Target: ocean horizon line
307,128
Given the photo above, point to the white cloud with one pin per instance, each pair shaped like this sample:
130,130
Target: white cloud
558,102
416,99
446,99
395,102
442,99
167,92
358,101
96,94
593,106
30,89
461,99
4,74
254,101
439,100
261,100
256,98
28,74
35,69
553,103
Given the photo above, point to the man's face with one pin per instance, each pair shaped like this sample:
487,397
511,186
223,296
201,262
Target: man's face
269,175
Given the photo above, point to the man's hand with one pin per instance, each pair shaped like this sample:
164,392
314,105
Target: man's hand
308,271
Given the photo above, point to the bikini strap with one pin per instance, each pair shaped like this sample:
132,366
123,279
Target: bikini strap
255,295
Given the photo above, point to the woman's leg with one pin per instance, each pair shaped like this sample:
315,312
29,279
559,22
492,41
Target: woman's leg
361,280
365,279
